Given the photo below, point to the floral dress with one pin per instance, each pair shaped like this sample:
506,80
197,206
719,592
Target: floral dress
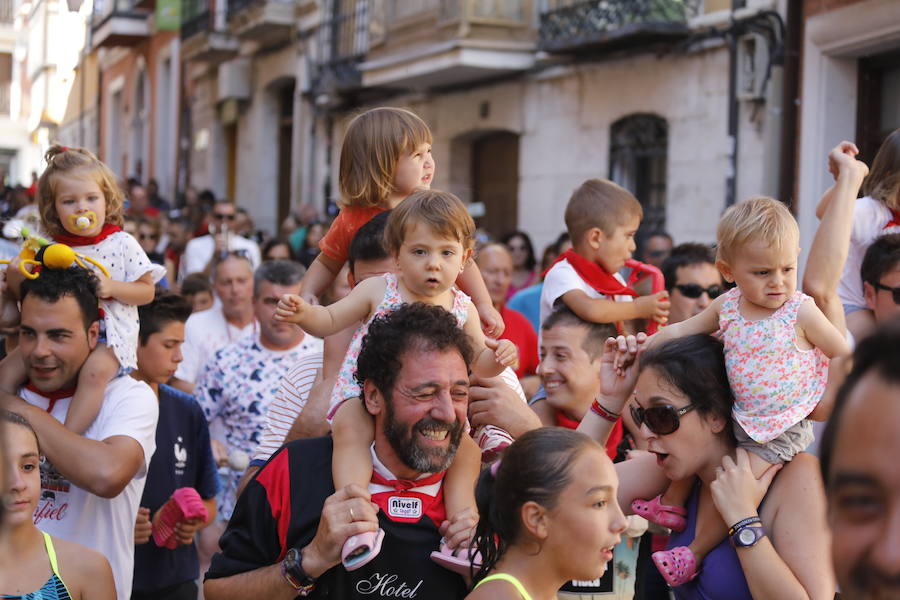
775,383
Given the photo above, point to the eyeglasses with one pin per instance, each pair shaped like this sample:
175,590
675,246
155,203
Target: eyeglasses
692,290
148,236
220,216
895,291
661,420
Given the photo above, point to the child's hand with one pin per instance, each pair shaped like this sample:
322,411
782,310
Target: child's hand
843,158
655,306
105,286
309,298
290,308
505,352
491,321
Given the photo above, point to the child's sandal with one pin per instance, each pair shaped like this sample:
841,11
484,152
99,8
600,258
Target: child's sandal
361,548
677,566
671,517
463,561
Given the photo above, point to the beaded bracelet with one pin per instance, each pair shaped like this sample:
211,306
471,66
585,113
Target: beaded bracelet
604,413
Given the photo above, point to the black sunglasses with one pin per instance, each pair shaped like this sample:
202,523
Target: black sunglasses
692,290
221,216
661,420
895,291
148,236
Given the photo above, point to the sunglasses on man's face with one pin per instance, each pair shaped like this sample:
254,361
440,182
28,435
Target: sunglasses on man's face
895,291
661,420
221,216
148,236
692,290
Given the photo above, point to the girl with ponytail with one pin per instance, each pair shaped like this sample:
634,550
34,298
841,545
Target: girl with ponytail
548,515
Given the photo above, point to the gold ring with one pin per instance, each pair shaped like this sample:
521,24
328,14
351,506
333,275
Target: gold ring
352,518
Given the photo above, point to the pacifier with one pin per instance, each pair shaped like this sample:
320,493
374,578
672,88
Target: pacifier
86,220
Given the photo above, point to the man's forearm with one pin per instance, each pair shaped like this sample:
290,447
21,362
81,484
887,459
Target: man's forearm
265,582
89,464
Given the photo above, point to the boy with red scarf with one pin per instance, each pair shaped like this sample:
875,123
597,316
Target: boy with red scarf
602,219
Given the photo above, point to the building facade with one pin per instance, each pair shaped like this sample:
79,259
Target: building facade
851,87
18,152
526,99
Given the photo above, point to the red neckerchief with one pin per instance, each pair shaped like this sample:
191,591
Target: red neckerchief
895,219
80,240
594,275
406,484
51,396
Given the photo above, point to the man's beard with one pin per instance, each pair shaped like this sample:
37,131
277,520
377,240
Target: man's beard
406,445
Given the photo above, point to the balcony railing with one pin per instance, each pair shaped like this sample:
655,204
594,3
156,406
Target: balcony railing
573,25
104,9
343,43
7,12
195,24
195,17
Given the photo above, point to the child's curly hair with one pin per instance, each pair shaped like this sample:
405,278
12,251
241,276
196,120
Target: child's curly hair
62,160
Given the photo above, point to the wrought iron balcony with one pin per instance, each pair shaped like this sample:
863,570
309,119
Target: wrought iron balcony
203,34
118,23
343,41
572,26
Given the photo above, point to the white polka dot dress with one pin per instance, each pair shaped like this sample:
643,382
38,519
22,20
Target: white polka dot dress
126,261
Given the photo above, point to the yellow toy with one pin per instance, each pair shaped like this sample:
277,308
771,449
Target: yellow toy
39,251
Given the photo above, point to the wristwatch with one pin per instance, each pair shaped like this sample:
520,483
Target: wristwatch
747,536
293,573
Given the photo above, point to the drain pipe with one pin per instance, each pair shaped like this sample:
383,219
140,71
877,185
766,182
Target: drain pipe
789,134
733,113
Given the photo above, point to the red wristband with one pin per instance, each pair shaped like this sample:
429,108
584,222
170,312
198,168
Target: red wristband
604,413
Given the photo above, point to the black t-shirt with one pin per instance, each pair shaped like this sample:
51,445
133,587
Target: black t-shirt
183,458
280,509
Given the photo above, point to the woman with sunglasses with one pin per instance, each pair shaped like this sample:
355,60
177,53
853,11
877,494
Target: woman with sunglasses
682,402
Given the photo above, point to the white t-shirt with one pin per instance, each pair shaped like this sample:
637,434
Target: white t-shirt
869,220
104,524
563,278
205,333
125,260
199,251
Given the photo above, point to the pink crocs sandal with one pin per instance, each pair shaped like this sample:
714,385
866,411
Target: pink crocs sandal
677,566
463,561
184,505
671,517
360,549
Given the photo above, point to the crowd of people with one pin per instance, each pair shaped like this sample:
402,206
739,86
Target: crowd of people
380,406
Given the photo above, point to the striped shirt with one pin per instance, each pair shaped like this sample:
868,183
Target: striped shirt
287,405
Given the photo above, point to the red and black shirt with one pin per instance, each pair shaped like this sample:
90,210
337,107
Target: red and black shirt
280,509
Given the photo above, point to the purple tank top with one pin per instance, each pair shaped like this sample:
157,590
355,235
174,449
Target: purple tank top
721,576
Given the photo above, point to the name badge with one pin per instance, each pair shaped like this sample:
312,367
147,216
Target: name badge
406,508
